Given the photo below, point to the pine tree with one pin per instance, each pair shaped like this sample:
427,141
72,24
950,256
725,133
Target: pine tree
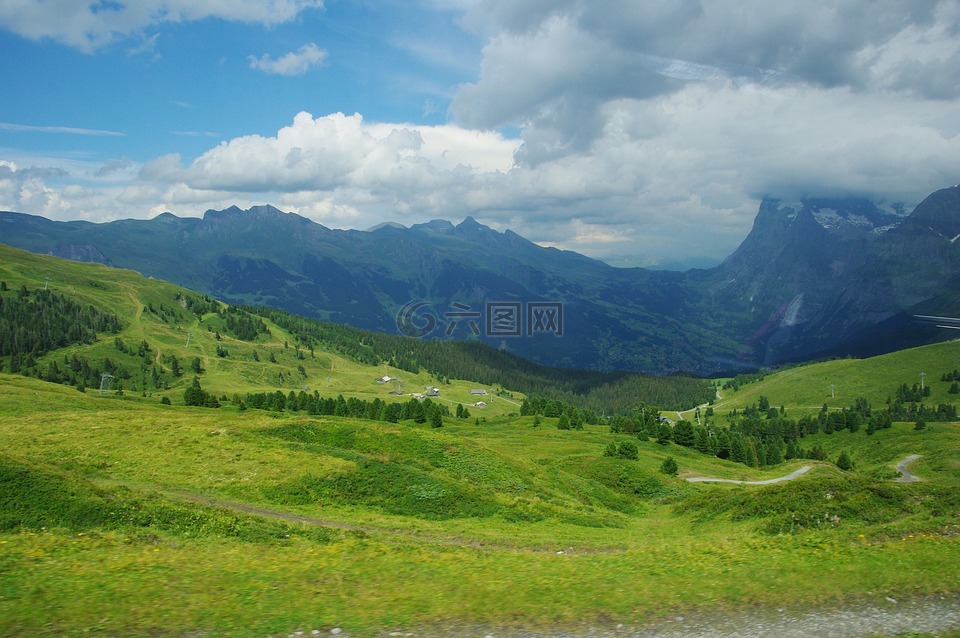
683,433
844,462
669,466
702,442
752,459
738,449
664,433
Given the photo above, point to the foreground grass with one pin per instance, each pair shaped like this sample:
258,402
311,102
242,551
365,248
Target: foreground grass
112,584
101,534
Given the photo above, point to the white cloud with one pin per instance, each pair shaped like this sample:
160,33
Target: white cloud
645,128
294,63
89,25
334,151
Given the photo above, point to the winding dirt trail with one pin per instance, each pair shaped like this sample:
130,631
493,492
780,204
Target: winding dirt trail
907,475
789,477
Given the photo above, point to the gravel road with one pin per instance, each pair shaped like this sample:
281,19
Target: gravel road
884,617
908,477
789,477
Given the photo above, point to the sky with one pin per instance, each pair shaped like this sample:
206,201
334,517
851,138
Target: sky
639,132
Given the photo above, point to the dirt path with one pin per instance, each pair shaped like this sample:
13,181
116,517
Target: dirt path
245,508
789,477
907,475
263,512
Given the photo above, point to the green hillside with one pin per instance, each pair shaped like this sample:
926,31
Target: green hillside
123,515
176,322
839,383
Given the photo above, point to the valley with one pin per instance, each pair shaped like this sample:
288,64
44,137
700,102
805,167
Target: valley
813,279
126,511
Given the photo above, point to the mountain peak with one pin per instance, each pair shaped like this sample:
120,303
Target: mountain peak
940,212
381,225
434,226
264,211
470,222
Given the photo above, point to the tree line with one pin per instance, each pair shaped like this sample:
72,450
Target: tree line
418,410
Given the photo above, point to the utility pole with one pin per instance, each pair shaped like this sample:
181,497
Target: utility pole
189,334
922,375
46,282
832,395
105,380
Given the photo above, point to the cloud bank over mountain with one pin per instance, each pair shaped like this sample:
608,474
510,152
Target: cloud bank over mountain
650,129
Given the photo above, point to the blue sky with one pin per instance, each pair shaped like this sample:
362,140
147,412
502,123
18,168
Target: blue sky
642,132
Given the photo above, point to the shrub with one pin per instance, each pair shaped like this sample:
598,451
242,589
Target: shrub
844,462
669,466
628,450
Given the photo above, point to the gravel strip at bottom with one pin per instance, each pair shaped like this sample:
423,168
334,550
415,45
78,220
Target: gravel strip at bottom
886,617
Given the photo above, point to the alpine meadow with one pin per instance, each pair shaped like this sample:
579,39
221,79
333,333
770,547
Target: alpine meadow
172,465
479,319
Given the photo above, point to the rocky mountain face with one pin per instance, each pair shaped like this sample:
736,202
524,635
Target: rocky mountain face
816,278
813,276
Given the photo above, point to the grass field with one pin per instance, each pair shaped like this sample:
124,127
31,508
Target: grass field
122,516
374,527
805,389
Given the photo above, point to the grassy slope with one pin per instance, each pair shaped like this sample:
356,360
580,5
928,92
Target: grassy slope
806,388
127,294
498,524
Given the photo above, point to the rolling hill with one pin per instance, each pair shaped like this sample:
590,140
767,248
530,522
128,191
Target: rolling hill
121,514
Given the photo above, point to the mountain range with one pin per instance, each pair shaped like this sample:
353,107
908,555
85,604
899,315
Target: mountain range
813,279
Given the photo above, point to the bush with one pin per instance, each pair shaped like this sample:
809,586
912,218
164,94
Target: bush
628,450
844,462
669,466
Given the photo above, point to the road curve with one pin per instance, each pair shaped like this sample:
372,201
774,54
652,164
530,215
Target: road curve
907,476
789,477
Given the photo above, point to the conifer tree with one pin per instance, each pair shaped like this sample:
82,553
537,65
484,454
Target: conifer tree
844,462
669,466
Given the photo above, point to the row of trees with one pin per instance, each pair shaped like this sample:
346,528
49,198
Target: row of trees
418,410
